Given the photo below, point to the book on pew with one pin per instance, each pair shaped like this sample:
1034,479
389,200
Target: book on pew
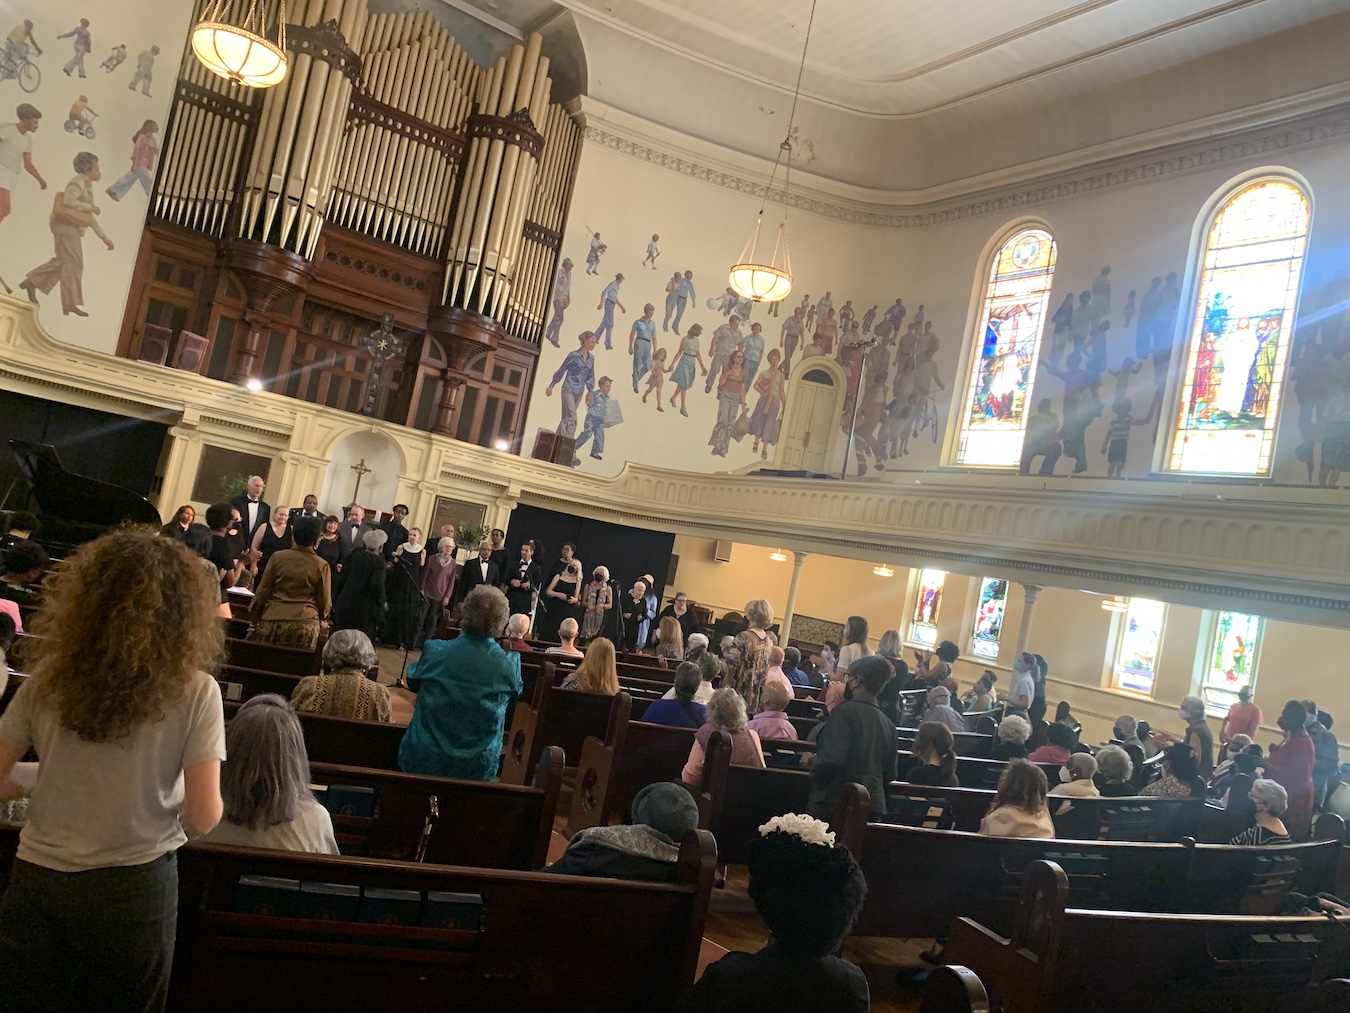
266,895
380,906
349,800
336,902
445,910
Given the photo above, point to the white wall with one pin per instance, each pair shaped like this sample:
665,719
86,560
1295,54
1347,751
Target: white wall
25,237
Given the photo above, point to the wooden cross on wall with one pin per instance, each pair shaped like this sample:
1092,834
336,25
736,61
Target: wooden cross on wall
361,472
382,345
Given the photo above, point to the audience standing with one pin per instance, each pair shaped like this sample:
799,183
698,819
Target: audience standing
1243,717
294,596
1326,753
747,657
856,744
1198,735
1022,693
360,602
131,734
1291,764
345,690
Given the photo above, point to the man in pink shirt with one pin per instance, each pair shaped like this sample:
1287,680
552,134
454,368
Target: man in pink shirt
1244,717
772,722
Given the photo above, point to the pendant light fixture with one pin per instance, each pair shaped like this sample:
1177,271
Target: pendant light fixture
242,52
754,276
778,556
882,570
1116,604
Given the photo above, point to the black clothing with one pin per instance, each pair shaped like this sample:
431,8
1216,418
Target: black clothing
171,530
403,584
857,743
1009,751
1118,789
926,773
330,552
247,530
471,575
503,560
350,535
397,533
689,623
558,610
270,544
633,614
521,598
588,858
772,981
359,600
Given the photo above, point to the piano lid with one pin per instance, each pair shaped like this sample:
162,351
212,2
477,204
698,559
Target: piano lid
75,508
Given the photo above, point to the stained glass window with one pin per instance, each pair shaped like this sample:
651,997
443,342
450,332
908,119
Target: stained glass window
1232,658
926,607
1239,341
1137,651
998,397
989,617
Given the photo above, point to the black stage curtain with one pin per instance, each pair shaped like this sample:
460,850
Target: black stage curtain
627,552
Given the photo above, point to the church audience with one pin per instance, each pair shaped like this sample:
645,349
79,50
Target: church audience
726,713
1228,753
890,647
855,647
682,711
463,688
1243,717
1012,735
772,722
517,628
1326,753
936,749
694,645
10,610
680,609
1022,693
1126,732
747,657
1057,749
1180,774
1221,787
1115,769
344,690
1076,777
792,662
360,602
809,892
597,672
774,673
856,744
293,598
19,528
131,735
1198,735
1291,764
940,709
568,631
269,539
934,667
25,563
8,627
182,520
1019,808
1271,803
981,696
648,850
670,640
265,783
710,669
225,552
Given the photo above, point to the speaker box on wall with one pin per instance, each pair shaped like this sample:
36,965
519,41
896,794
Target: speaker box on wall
722,552
670,572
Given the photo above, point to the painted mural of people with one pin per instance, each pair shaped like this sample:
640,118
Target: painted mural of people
602,413
593,255
684,296
1062,322
1080,408
730,403
656,377
753,347
1149,306
846,316
1115,444
144,157
767,418
895,315
73,211
577,374
640,339
1127,311
827,330
808,314
1165,331
868,430
16,154
82,46
1101,295
725,340
672,294
17,42
682,371
653,251
1043,439
825,306
791,335
1082,321
562,298
145,71
609,298
926,375
868,319
115,59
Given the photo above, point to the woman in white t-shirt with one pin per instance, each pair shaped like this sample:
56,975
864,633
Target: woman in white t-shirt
855,647
265,783
130,733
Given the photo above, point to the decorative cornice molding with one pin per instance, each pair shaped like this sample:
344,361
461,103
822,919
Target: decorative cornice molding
1176,160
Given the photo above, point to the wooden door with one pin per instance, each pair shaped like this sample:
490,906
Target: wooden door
806,440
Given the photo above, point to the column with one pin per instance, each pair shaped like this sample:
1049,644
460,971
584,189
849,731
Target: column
1030,592
180,470
785,627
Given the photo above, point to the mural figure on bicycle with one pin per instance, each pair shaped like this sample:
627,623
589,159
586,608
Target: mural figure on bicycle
15,62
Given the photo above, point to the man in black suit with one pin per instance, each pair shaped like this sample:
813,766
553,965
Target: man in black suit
310,510
350,533
480,570
523,579
253,510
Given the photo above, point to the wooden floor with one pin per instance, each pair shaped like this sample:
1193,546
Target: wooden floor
732,921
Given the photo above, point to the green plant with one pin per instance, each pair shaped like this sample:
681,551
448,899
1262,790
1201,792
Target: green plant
232,486
470,536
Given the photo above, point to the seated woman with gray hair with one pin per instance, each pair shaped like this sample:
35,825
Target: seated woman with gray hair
726,713
1011,744
1272,802
463,687
1116,768
265,783
648,850
940,709
344,690
359,601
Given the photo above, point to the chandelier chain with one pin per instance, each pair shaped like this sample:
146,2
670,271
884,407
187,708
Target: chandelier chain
786,146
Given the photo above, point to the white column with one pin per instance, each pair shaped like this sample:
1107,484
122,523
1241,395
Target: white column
1030,592
180,469
785,626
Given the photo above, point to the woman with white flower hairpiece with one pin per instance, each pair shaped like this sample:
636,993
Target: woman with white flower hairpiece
809,893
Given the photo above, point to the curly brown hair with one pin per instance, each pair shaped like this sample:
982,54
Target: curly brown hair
128,620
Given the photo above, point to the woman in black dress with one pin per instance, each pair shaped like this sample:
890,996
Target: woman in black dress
359,602
271,537
405,590
634,612
330,546
564,598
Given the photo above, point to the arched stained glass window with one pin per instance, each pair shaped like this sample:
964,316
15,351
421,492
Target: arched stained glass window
998,396
1239,340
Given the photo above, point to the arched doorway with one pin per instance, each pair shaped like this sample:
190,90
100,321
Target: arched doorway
811,417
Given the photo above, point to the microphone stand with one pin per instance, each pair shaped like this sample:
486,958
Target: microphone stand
620,630
407,640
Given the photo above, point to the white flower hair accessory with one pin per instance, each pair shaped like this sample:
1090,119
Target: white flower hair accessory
806,828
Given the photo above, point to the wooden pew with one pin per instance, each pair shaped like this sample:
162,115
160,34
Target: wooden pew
642,940
486,825
953,988
559,718
272,658
1094,961
239,684
918,880
972,744
342,740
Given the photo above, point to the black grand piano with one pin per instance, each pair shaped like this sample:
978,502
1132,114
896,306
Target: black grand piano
73,508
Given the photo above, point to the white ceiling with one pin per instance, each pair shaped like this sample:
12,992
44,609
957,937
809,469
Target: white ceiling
909,95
